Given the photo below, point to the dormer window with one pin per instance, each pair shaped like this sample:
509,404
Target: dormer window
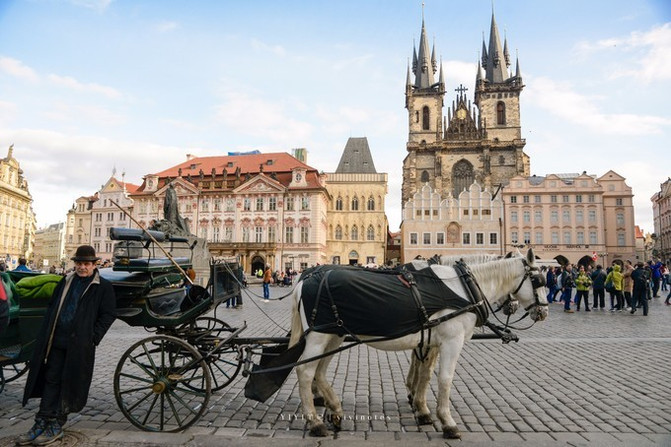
229,164
192,166
269,162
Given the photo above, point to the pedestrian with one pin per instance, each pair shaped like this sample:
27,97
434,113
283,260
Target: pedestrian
22,267
616,280
598,280
81,310
567,284
656,276
267,278
628,283
665,277
582,285
551,281
639,297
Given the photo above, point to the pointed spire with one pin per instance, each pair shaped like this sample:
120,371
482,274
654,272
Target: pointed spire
478,76
484,51
506,55
414,56
433,56
495,67
407,76
518,73
424,71
441,78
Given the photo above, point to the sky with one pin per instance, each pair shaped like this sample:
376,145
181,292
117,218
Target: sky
92,87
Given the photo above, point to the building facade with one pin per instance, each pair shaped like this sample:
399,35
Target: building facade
469,224
357,223
17,219
661,210
265,209
78,224
475,142
49,248
576,218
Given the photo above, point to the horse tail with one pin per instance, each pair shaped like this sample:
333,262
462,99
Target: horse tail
296,324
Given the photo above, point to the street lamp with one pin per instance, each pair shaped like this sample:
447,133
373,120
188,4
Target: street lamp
603,258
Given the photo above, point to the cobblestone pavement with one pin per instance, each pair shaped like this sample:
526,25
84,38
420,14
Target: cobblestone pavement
596,378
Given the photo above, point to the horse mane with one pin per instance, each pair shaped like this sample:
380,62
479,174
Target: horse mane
499,273
468,259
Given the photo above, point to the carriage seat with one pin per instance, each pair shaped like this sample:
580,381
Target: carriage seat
12,297
151,264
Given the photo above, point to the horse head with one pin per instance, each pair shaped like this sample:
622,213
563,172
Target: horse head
531,289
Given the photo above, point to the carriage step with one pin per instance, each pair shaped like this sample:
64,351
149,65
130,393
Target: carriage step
9,352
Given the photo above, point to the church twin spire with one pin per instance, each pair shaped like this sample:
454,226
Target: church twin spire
495,58
424,64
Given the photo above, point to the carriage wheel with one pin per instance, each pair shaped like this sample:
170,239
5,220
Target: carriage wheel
224,363
154,384
12,372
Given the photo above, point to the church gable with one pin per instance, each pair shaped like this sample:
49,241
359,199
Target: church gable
259,184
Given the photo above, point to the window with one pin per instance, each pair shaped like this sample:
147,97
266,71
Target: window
228,234
513,216
526,216
527,237
440,238
245,234
336,260
579,216
338,204
537,199
479,238
619,218
466,238
553,199
620,239
501,113
215,234
425,118
205,205
555,237
370,233
259,204
580,237
230,205
513,199
592,216
203,232
413,238
493,238
592,237
591,198
566,216
538,238
567,237
426,238
338,233
305,235
354,233
271,234
371,204
578,198
465,212
355,204
217,204
272,204
110,216
247,204
290,204
525,199
258,234
513,237
370,259
538,216
289,235
618,202
305,203
486,212
564,199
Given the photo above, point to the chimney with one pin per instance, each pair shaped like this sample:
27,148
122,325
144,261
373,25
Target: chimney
190,157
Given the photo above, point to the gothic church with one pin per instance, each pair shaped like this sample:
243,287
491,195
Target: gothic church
480,143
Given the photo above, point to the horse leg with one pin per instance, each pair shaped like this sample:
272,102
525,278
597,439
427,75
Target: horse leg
424,372
325,389
315,345
411,380
449,354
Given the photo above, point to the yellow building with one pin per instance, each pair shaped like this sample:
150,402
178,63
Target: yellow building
17,219
357,224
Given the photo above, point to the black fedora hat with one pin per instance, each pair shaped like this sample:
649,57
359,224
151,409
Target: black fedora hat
85,253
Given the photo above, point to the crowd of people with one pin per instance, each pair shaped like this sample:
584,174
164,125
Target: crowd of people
628,286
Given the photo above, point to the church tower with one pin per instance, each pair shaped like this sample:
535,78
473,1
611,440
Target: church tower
475,142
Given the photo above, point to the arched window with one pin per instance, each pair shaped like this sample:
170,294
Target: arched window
370,233
462,177
501,113
425,176
425,118
355,233
339,204
371,204
355,204
338,233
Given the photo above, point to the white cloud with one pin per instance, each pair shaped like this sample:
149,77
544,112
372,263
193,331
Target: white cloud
17,69
72,83
560,99
277,50
651,50
458,72
166,26
7,111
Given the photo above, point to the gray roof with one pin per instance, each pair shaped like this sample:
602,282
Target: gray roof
356,158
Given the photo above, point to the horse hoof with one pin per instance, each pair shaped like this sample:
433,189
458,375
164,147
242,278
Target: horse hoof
318,401
319,431
410,399
451,433
424,419
337,422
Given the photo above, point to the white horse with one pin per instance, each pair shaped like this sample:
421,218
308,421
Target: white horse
518,277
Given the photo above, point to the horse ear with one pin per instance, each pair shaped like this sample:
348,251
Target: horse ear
508,255
531,258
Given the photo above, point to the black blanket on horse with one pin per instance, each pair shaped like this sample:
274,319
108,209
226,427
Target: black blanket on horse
372,302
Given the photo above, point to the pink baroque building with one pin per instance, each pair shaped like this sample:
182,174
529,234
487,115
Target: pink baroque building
576,218
661,208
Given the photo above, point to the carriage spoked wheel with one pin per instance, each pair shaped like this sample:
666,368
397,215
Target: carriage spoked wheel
162,384
224,361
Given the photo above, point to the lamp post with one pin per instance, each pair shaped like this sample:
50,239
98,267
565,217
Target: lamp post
603,258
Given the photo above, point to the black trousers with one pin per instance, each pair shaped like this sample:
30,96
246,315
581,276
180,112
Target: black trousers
599,298
51,406
579,295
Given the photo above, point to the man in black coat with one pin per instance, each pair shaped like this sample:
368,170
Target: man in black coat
81,310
